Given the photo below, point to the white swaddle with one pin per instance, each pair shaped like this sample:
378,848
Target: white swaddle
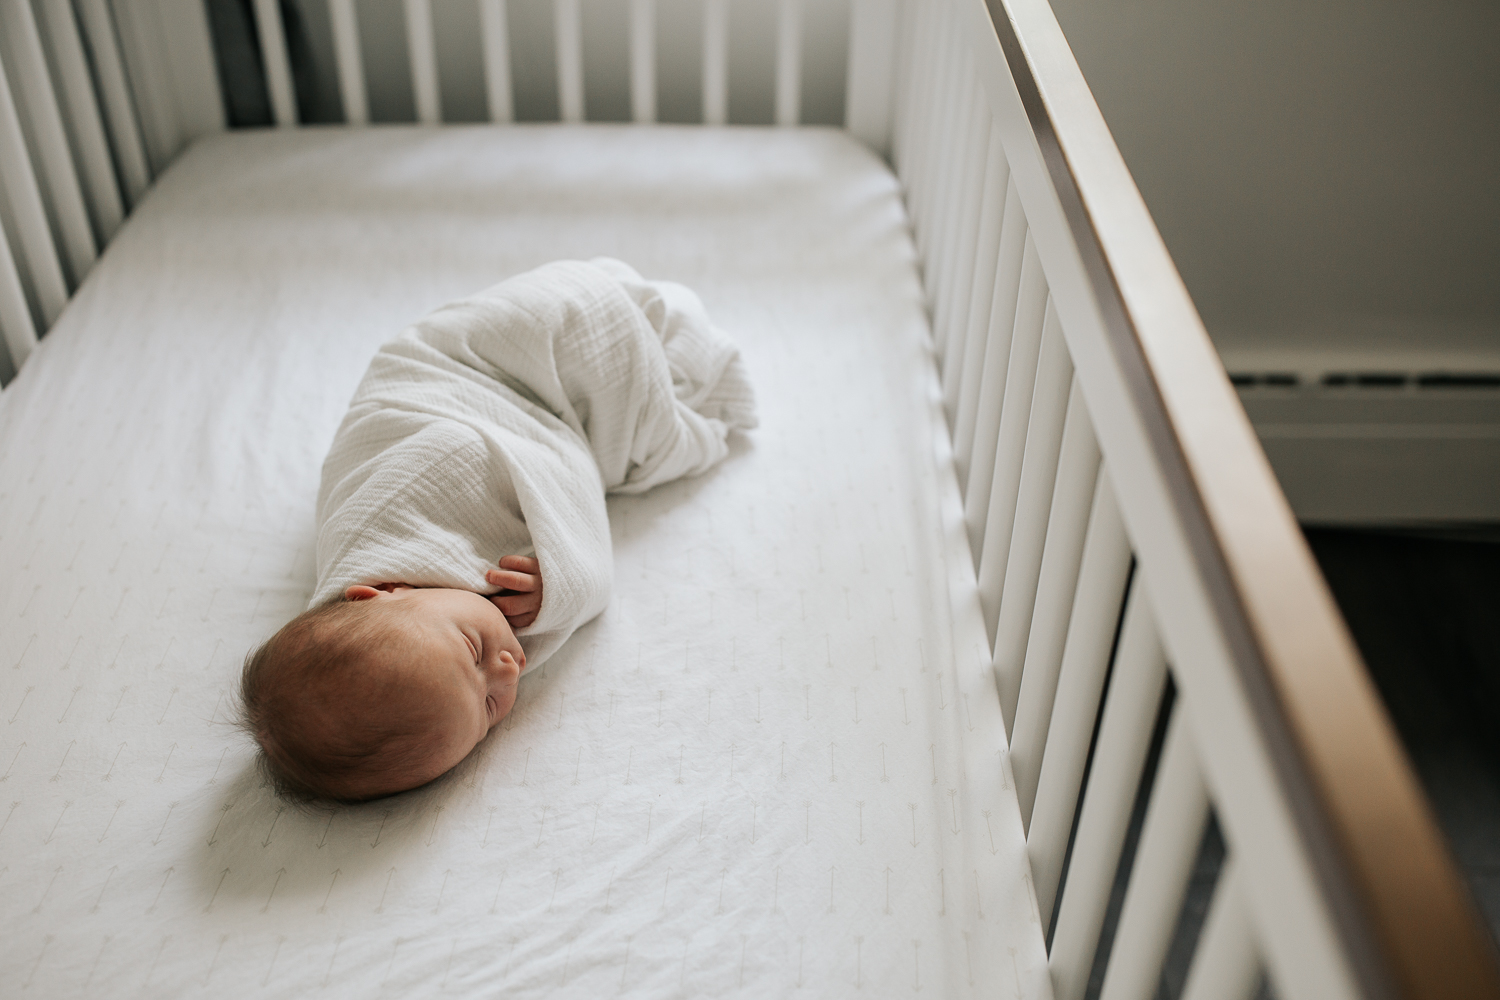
496,425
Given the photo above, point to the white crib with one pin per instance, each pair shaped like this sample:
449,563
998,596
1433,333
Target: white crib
1127,535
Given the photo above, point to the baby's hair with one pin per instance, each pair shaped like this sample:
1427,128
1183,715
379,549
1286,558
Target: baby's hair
316,647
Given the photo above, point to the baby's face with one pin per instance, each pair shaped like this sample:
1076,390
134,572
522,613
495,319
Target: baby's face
458,683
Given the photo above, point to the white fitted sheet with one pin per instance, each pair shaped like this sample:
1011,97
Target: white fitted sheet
773,767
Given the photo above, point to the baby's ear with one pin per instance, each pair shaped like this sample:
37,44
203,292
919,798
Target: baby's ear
360,593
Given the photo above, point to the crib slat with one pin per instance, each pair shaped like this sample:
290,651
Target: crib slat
124,129
930,109
84,123
60,181
1065,691
30,218
423,54
963,357
788,62
917,109
937,109
1061,572
351,66
1168,848
988,397
1044,431
568,20
715,62
945,224
875,71
950,114
496,38
995,468
1080,685
908,24
958,265
643,61
1225,966
141,39
15,317
991,331
1135,692
278,67
1067,504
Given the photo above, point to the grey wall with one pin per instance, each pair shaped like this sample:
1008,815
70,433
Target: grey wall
1326,173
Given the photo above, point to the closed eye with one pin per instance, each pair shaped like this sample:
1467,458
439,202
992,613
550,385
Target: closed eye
473,647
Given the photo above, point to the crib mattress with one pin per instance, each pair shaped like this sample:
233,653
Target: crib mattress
773,766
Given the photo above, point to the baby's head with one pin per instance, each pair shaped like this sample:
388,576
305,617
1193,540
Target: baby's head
380,690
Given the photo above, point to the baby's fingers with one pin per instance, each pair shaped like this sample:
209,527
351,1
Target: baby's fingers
524,564
517,604
512,580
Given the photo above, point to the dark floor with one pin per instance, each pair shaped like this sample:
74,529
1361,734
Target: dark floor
1424,608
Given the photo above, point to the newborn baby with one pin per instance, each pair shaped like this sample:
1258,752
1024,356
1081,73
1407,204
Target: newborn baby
386,687
492,428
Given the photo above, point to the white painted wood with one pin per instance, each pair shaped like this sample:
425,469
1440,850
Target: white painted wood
968,189
1061,562
151,83
643,61
914,110
715,62
941,159
870,89
59,185
934,109
119,109
903,50
950,194
904,47
1091,634
788,62
568,23
26,209
965,373
495,33
350,60
1225,965
1067,503
1301,945
1135,693
15,317
990,502
988,206
982,419
1164,860
274,60
85,126
1044,431
422,51
187,45
932,75
1069,681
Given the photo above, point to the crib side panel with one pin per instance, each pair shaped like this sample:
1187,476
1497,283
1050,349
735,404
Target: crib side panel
824,54
1096,440
94,97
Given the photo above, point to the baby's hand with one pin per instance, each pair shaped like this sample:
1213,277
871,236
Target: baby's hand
521,598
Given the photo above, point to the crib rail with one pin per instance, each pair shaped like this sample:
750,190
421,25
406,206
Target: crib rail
98,96
1139,571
